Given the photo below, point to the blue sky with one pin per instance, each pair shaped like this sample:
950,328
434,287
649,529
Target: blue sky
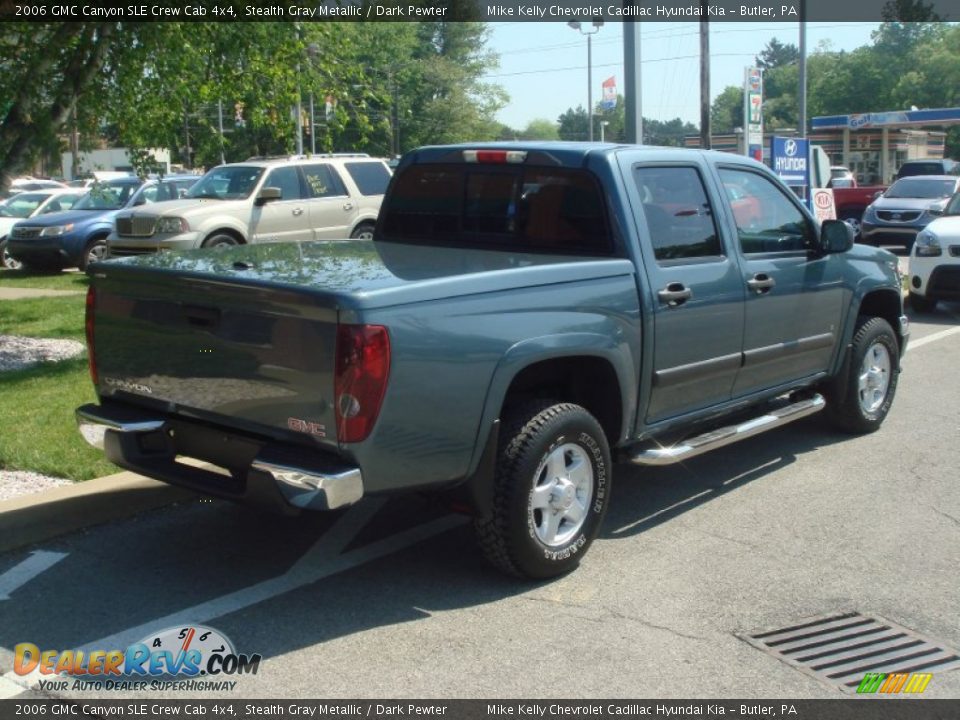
543,65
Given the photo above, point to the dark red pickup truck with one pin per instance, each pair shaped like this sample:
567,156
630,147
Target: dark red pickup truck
852,201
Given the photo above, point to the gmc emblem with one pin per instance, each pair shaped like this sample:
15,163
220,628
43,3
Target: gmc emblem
305,426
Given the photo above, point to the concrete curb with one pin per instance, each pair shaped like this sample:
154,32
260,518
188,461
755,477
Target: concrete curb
24,293
44,515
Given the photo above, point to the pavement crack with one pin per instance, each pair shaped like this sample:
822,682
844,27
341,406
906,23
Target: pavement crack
718,536
654,626
945,514
604,613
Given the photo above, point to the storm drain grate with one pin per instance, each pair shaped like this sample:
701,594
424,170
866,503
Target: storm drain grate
841,649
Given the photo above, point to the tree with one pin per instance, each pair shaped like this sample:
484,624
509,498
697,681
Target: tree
43,71
161,85
540,129
573,124
726,112
776,54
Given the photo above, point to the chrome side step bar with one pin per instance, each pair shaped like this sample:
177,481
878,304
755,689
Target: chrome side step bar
727,435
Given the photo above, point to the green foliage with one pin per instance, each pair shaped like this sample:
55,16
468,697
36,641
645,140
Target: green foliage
574,122
912,61
726,113
540,129
149,85
776,54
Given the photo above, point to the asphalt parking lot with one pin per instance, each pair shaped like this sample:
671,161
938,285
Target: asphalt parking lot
392,598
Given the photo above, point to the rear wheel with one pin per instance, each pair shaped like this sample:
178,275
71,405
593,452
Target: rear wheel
363,231
551,490
871,382
922,304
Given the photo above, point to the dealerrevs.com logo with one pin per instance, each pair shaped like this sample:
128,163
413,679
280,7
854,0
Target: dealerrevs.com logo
173,659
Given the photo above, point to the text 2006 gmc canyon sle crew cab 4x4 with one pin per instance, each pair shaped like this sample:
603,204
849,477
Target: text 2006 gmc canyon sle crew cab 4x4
525,314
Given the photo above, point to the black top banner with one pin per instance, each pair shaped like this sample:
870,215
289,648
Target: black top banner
483,10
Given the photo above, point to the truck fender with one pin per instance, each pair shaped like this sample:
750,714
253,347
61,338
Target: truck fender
530,351
866,286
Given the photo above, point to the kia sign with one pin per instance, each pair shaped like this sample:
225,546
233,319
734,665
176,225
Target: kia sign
790,159
823,204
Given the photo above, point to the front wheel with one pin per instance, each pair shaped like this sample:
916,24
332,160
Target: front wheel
220,241
6,259
551,491
94,252
871,380
852,219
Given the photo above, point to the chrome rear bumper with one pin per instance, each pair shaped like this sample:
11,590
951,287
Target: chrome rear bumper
304,479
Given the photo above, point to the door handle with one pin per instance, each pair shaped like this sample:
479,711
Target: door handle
298,211
761,283
675,294
348,206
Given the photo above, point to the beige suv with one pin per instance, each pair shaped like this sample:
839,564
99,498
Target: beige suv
261,200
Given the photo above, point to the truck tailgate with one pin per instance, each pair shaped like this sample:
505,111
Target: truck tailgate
256,359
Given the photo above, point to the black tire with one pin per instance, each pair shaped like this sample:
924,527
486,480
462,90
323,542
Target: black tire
363,231
6,259
220,240
852,218
859,405
922,304
95,251
515,535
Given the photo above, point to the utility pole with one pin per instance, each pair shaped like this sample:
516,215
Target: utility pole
75,145
633,105
223,158
705,142
802,90
186,138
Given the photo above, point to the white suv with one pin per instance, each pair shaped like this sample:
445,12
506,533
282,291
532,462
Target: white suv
935,260
261,200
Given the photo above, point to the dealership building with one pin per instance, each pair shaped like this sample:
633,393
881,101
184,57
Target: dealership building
872,145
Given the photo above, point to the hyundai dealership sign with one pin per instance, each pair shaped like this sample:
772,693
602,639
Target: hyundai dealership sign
790,159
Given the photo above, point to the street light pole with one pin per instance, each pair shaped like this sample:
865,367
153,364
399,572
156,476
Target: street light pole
299,110
589,33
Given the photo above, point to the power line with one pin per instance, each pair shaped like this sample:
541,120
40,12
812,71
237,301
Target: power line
616,64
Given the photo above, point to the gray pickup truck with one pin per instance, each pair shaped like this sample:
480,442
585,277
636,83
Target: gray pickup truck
525,315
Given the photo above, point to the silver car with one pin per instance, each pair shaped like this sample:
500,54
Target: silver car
905,208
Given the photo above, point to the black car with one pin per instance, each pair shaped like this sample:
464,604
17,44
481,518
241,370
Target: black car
928,167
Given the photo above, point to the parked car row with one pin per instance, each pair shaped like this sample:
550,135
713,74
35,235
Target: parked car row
260,200
905,208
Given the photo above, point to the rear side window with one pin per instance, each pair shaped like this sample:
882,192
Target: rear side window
678,213
371,178
499,207
323,181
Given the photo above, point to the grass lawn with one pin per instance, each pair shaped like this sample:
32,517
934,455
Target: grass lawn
53,317
36,414
52,281
37,429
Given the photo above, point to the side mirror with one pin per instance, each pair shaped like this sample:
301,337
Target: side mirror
267,194
878,193
140,201
835,237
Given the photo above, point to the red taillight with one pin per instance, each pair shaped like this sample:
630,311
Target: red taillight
363,364
495,156
88,324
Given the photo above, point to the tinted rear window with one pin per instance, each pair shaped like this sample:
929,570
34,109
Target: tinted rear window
371,177
499,207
